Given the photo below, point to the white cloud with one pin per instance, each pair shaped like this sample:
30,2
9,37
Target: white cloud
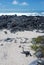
24,3
15,2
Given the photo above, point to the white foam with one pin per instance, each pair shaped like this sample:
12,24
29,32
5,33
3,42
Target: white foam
28,14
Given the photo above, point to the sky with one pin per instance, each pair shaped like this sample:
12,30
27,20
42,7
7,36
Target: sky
21,6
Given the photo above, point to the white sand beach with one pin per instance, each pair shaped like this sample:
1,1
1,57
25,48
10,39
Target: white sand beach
10,52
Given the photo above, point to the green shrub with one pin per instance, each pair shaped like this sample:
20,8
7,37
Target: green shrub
38,39
37,44
34,47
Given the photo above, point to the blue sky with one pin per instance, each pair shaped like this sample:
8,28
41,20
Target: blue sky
21,6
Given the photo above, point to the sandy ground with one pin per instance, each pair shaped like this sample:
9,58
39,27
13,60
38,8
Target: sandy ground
10,53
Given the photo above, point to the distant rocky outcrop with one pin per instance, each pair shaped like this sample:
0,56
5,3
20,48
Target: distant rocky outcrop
21,23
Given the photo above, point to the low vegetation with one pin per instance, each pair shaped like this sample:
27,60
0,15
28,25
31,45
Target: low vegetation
38,43
38,40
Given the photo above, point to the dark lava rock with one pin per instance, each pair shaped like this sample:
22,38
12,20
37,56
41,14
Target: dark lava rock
21,23
1,44
9,40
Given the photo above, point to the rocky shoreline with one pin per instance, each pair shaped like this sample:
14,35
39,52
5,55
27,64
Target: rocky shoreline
16,23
